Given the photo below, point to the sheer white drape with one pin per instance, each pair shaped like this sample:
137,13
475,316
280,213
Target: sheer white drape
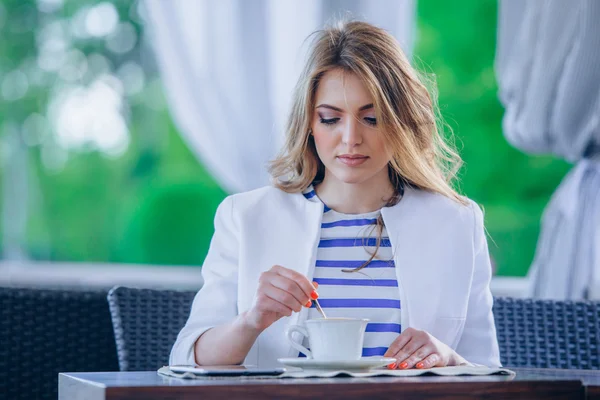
229,66
548,68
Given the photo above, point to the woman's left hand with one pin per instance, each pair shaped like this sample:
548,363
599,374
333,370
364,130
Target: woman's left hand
419,349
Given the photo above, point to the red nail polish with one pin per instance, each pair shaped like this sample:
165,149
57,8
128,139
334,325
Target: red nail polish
392,366
308,304
404,365
314,295
420,365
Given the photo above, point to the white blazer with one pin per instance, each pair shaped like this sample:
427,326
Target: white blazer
440,252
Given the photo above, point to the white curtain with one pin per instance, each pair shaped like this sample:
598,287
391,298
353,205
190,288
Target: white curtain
229,66
548,68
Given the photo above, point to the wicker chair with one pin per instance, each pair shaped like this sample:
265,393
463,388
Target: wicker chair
548,334
146,323
531,333
44,332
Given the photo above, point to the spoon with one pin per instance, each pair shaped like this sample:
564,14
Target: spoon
320,309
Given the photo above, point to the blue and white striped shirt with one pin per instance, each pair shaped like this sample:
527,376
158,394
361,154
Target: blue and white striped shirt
347,241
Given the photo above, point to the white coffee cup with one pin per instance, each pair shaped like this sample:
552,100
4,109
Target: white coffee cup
331,339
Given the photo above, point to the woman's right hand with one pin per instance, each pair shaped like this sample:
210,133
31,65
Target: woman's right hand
280,292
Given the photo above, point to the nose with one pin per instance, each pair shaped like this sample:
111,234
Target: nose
351,132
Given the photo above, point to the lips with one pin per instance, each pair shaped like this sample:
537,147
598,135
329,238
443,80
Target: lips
352,160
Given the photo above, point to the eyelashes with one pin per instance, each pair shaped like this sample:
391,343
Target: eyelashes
329,121
371,120
332,121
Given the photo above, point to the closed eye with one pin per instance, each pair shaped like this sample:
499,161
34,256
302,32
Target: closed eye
371,121
329,121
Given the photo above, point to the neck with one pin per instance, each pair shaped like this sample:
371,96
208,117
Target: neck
355,198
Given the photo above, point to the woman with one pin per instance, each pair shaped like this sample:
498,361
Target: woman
362,204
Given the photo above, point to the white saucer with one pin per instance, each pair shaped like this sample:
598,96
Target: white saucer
363,364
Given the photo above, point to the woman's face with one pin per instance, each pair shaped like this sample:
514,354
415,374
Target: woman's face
348,140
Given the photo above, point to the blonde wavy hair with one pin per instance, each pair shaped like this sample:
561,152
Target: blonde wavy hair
407,115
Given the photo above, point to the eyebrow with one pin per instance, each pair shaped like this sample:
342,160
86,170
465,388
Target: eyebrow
365,107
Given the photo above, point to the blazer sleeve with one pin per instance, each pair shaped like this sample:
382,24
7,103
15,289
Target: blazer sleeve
216,302
478,343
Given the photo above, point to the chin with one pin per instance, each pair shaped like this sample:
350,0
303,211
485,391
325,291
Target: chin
351,177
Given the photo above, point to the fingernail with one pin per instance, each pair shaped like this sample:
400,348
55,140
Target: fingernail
392,366
315,284
308,304
404,365
314,295
420,365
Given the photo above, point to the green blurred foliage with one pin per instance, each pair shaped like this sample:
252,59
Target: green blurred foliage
456,42
155,203
130,209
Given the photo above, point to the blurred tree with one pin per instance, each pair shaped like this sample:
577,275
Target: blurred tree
83,195
171,225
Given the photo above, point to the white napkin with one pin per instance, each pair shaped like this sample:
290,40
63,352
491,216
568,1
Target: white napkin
298,373
441,371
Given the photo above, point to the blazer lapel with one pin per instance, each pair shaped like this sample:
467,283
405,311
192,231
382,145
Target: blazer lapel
291,228
412,247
